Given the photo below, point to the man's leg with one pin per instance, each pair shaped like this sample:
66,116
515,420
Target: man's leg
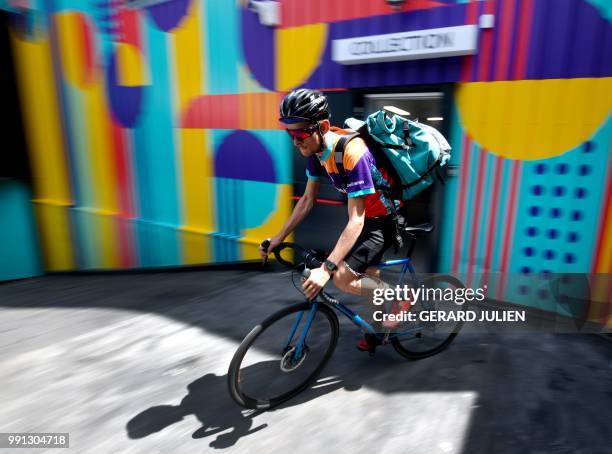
357,276
348,281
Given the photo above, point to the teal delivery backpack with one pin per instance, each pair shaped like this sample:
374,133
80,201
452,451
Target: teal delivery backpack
411,151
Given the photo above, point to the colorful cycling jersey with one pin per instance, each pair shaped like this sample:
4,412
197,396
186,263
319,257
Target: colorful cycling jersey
360,168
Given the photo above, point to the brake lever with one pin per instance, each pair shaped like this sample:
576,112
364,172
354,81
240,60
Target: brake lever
265,244
327,298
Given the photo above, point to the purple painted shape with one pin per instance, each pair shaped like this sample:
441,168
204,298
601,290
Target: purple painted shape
561,28
125,102
537,46
331,75
242,156
169,14
258,48
568,40
605,63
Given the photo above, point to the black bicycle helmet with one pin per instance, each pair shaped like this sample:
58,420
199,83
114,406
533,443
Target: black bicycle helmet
304,105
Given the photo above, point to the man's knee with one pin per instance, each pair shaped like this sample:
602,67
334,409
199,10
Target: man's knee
373,271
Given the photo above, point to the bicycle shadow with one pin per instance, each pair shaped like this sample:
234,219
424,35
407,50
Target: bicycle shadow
208,400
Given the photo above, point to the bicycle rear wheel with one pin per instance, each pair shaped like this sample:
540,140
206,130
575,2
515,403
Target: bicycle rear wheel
427,338
270,367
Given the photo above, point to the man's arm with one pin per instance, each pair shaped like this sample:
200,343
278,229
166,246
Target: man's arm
300,211
356,215
319,277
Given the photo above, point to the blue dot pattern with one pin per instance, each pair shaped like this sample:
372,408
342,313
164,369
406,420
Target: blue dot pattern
558,216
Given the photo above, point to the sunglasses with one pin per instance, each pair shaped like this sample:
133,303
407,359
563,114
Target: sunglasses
301,133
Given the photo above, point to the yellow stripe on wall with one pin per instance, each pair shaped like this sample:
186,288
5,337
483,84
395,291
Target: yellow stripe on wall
42,123
197,195
42,119
547,117
103,184
54,233
196,155
298,53
253,237
130,66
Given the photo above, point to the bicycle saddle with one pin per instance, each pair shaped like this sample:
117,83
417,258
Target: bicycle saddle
419,230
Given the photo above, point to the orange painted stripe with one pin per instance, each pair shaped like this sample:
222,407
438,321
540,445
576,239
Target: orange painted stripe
235,111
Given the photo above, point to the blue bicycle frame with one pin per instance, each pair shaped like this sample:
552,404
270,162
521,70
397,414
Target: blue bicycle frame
354,317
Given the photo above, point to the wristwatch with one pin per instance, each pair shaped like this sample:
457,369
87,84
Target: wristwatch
331,266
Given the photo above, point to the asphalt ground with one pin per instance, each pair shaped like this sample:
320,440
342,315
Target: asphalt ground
138,363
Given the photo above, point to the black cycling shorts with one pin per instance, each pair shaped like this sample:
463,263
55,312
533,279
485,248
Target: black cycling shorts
375,238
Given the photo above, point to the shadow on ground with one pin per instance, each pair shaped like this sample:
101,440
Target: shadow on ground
535,393
207,399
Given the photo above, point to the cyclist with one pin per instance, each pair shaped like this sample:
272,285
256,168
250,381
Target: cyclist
370,228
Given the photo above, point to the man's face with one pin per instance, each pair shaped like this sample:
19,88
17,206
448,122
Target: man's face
311,144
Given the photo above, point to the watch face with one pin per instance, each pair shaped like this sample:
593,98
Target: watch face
331,266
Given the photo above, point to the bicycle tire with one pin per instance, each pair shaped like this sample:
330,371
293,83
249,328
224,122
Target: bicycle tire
234,382
411,354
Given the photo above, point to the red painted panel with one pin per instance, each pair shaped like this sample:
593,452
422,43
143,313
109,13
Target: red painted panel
505,42
129,27
468,60
233,111
486,46
520,69
85,32
299,12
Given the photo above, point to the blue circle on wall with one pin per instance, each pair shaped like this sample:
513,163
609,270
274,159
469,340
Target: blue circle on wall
540,168
242,156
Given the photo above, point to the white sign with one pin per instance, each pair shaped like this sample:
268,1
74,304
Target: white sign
432,43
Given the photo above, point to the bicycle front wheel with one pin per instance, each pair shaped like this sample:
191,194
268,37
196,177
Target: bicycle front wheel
280,357
427,337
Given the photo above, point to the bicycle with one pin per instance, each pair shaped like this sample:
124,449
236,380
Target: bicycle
315,321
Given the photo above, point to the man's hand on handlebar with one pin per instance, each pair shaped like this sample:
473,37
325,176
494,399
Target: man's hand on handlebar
315,282
267,246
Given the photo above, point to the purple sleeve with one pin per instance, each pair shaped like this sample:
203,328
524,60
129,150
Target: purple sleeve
313,168
359,178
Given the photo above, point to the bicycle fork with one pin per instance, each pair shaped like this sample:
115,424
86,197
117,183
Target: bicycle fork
299,347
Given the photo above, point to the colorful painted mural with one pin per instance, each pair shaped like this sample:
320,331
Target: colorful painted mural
153,131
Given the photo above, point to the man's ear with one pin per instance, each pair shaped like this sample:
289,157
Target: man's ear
325,125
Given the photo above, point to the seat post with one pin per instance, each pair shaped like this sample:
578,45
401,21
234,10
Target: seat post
411,245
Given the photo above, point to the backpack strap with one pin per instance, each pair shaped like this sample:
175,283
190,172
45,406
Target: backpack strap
434,166
339,155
